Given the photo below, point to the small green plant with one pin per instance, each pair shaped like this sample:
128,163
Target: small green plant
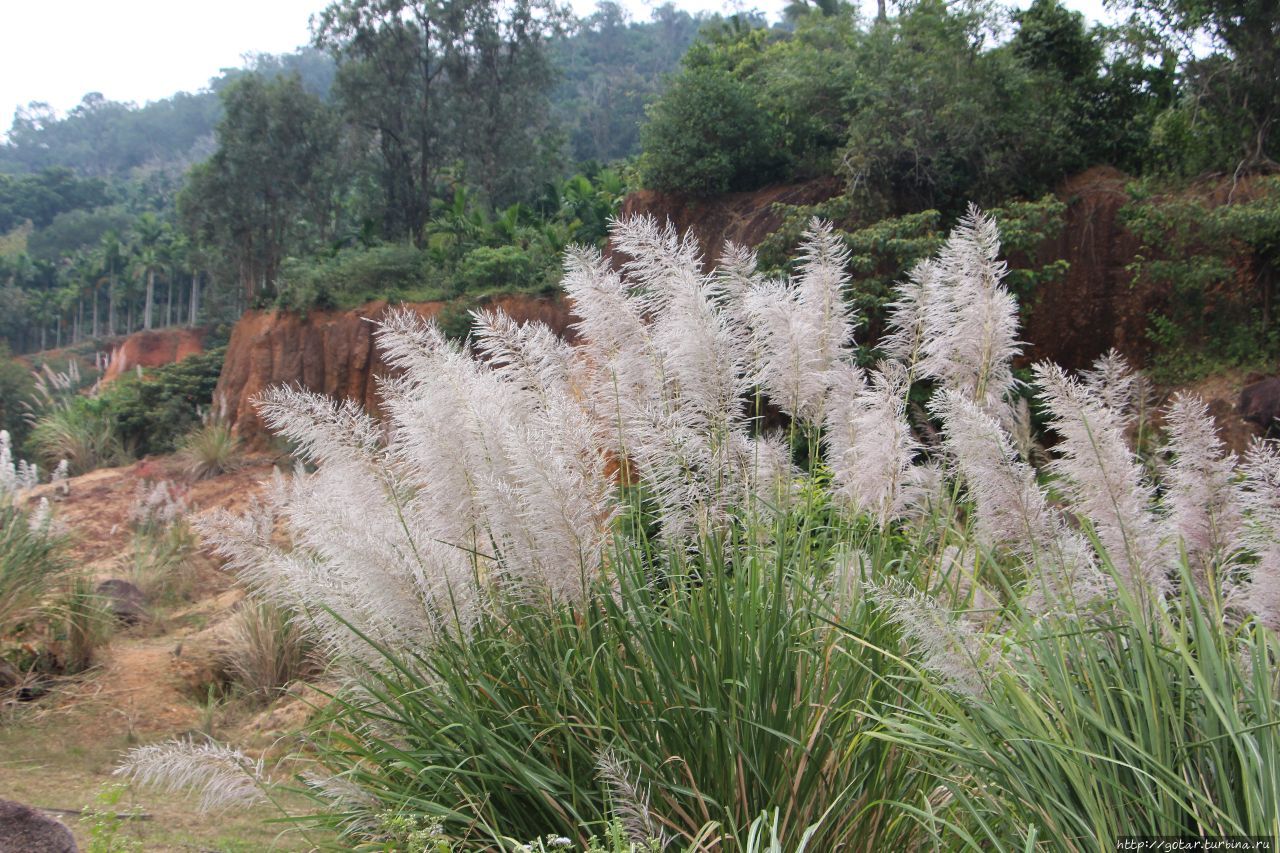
85,623
105,824
210,449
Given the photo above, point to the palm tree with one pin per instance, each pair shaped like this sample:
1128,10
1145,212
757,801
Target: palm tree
148,257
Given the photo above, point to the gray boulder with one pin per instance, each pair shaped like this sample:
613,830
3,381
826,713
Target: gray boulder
126,602
1260,403
25,830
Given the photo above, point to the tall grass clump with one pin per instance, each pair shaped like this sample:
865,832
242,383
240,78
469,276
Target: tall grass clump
575,587
210,449
30,547
264,649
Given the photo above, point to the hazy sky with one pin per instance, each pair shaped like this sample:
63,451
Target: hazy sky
143,50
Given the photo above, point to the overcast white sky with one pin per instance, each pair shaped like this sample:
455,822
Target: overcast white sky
143,50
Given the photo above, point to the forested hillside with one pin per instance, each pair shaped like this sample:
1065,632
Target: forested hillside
330,174
413,154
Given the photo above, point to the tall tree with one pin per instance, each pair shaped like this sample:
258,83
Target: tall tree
272,186
433,82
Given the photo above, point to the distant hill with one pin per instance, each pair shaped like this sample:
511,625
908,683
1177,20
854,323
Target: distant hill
110,139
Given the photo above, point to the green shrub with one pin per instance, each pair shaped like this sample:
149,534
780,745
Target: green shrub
506,268
352,276
706,136
153,413
83,432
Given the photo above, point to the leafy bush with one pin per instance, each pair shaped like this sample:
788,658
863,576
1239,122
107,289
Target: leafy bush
152,414
502,269
351,276
706,136
1215,268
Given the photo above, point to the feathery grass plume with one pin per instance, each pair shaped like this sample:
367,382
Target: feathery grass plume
629,801
15,474
870,444
156,505
516,480
1260,498
1013,512
530,355
970,320
802,329
356,558
1104,483
1113,382
950,647
908,313
1200,493
223,777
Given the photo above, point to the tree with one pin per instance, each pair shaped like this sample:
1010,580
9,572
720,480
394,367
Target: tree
433,82
706,136
1233,92
273,185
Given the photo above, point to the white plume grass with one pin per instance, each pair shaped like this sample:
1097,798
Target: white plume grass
222,777
1105,484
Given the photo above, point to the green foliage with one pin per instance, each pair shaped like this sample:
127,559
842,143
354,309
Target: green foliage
210,449
353,276
152,414
706,136
271,188
486,270
16,387
922,111
881,250
1229,103
1149,723
1215,268
721,694
105,824
468,251
43,196
610,67
84,432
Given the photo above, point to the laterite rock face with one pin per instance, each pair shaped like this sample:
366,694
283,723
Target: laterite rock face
330,352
